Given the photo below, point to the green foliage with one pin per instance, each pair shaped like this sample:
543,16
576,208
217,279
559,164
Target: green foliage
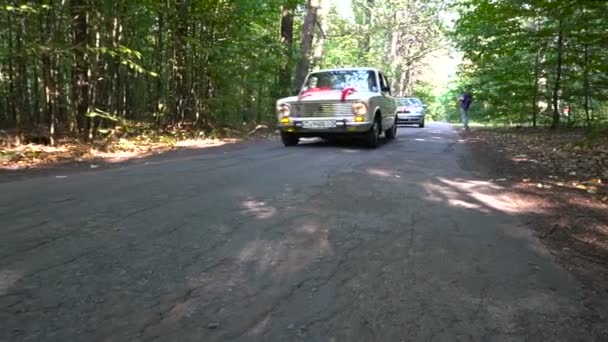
392,35
25,8
204,62
525,57
427,94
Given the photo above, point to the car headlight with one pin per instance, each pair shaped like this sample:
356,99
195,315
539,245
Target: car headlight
284,109
359,108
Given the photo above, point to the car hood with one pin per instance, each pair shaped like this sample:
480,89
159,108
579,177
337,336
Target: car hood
329,95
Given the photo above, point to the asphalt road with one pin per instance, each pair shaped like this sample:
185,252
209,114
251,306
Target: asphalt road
264,243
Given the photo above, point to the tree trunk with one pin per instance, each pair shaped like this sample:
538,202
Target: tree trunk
159,64
323,21
395,61
558,76
95,67
179,67
285,86
586,86
535,94
21,98
33,92
80,78
366,36
118,75
306,46
11,72
50,88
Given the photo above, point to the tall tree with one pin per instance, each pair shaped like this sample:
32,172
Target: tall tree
308,29
80,96
285,85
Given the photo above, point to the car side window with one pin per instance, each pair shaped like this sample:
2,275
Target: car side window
371,79
383,82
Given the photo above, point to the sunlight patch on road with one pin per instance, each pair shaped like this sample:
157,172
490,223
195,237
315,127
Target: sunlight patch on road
8,279
301,247
179,311
473,194
442,193
260,327
464,204
258,261
203,143
259,209
121,156
382,173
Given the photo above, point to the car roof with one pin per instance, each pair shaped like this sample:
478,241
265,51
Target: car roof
349,68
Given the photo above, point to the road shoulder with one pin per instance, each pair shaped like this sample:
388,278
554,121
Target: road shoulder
567,214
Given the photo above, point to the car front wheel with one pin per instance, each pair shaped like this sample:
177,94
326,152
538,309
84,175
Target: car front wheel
289,139
372,136
391,133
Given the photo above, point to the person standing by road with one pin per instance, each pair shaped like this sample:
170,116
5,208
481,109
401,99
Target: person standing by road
465,100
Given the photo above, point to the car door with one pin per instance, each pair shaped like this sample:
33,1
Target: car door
388,106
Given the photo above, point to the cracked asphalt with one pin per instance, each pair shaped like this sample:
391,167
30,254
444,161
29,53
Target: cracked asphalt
317,242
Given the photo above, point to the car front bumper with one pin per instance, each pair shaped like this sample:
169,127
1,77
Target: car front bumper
342,126
406,118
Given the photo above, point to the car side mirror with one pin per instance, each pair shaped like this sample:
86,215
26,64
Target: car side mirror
386,89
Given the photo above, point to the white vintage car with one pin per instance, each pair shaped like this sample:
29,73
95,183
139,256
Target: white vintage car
348,101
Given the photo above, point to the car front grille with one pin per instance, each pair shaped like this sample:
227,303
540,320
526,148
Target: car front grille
322,109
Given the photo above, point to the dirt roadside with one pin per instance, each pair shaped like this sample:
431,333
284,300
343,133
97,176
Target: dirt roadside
547,172
75,161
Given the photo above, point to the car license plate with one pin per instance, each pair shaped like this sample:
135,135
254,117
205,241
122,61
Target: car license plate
319,124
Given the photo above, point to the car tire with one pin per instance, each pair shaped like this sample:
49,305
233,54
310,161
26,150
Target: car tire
372,137
289,139
421,125
391,133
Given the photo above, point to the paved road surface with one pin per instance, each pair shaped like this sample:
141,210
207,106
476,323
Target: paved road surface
265,243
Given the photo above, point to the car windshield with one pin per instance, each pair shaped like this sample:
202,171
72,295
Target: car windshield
361,80
405,102
415,101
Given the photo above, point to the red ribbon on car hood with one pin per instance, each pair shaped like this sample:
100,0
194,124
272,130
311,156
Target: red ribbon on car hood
347,91
313,90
